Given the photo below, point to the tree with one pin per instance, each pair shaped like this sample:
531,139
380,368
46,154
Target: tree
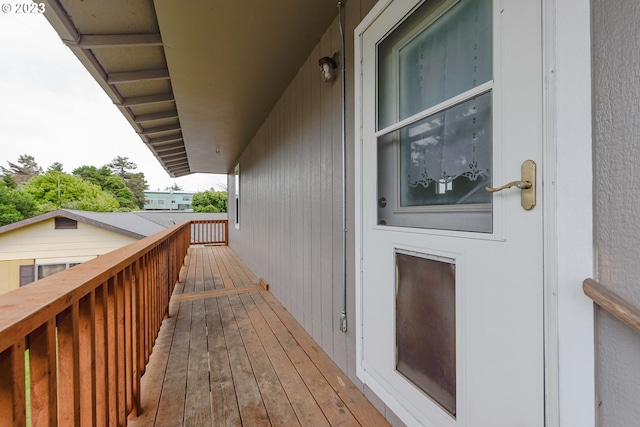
8,181
174,187
122,166
112,184
15,205
55,166
136,182
22,172
75,193
209,201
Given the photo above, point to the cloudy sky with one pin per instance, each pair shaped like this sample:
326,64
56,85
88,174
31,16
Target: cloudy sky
52,109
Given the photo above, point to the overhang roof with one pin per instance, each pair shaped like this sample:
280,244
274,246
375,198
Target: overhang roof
197,78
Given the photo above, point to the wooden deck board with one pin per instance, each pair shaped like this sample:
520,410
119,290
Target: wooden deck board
230,355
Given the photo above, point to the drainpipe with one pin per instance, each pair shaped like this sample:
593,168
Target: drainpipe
343,315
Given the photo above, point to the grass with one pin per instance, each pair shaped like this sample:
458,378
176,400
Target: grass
27,386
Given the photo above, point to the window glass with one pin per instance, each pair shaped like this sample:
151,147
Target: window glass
49,269
435,69
421,67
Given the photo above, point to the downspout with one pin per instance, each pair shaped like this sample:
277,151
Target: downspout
343,315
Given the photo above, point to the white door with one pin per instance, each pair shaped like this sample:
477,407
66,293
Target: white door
451,290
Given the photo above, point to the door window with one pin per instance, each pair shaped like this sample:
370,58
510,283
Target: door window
434,138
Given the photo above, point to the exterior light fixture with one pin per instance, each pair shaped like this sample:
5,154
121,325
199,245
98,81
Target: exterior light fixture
328,66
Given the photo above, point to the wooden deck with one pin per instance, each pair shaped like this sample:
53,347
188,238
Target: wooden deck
229,354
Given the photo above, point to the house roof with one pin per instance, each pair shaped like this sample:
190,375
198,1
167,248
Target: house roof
195,79
126,223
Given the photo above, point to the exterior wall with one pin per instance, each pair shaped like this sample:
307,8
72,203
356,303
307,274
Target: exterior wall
45,244
10,274
617,203
291,200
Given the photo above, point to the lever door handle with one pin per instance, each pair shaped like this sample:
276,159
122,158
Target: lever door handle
527,184
523,185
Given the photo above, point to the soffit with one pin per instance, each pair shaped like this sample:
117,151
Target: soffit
193,76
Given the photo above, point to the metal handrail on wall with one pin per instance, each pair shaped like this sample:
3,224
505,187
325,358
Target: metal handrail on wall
83,336
613,304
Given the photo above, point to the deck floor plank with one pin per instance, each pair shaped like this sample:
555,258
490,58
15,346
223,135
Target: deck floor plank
295,388
328,400
279,410
197,409
252,410
230,355
224,405
172,399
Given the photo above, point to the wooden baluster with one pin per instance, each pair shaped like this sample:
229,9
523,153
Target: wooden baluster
128,343
101,353
112,351
120,354
42,373
12,386
68,366
87,349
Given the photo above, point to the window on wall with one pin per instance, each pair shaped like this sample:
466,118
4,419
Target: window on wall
62,223
236,174
27,274
44,270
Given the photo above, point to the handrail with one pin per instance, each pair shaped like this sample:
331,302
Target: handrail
87,334
210,232
613,304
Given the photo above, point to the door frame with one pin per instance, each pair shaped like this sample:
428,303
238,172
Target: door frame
567,208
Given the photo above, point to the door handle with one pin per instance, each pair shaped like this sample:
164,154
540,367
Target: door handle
527,185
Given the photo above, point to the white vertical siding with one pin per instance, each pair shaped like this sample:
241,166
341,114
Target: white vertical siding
291,197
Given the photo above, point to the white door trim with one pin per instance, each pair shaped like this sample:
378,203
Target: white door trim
568,204
568,211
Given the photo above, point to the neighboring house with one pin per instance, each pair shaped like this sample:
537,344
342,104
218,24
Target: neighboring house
358,194
45,244
168,200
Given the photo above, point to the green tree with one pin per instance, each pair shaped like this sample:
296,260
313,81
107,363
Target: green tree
8,181
15,205
75,193
136,181
55,166
209,201
112,184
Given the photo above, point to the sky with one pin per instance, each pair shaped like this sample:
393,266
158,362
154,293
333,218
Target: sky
52,109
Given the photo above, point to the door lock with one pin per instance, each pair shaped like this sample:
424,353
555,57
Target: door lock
527,185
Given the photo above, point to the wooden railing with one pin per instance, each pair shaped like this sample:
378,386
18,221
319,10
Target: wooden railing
613,304
208,232
82,337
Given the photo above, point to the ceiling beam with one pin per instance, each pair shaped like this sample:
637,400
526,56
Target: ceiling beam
177,163
150,99
101,41
142,118
169,151
137,76
161,129
181,171
164,139
169,156
168,146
